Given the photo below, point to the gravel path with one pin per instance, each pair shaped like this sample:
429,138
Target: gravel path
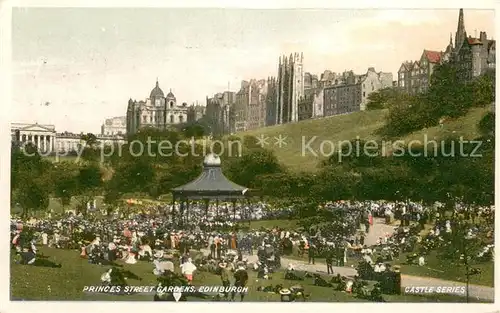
379,229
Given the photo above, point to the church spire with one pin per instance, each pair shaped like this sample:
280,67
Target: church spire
460,34
157,84
451,40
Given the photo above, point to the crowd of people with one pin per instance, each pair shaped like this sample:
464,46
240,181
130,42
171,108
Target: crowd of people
153,238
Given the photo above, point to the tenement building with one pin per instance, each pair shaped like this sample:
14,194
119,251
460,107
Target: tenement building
290,88
271,101
473,57
414,76
349,92
256,110
158,111
240,107
220,113
114,126
306,104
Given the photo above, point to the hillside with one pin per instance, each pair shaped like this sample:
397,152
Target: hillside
335,129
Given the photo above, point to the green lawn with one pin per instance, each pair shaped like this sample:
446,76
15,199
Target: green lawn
66,283
348,127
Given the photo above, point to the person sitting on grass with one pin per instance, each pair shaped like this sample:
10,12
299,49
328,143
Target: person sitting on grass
28,257
320,281
291,274
263,272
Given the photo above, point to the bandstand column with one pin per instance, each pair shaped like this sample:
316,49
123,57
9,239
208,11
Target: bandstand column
207,203
217,208
249,211
173,209
181,215
38,141
234,210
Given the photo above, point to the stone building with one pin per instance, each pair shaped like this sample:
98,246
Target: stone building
158,111
414,76
195,113
241,107
41,135
290,88
271,101
472,56
48,141
327,78
256,109
306,104
475,57
342,99
349,92
318,104
69,142
220,113
371,82
114,126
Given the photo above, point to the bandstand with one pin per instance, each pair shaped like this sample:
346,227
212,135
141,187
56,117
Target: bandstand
211,185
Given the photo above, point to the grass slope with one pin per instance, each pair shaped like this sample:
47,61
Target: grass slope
66,283
335,129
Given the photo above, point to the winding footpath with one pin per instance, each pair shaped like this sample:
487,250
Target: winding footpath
378,230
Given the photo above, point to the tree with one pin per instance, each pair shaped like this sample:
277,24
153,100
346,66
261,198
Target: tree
384,98
64,181
112,195
483,88
32,197
89,181
245,169
193,130
65,189
448,94
486,125
89,139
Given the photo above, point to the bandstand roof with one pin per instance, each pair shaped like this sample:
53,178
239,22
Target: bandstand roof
211,184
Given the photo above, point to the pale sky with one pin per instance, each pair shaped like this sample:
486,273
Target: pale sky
87,62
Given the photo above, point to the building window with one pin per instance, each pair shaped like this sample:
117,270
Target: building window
171,104
144,119
171,118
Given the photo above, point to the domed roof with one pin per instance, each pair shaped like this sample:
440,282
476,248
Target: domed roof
170,95
212,159
156,92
